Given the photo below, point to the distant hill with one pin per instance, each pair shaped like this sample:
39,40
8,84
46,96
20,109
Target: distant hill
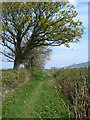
80,65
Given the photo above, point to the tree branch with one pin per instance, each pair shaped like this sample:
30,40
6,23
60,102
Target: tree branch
6,55
9,47
27,30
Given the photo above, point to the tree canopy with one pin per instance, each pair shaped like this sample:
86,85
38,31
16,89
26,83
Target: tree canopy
26,25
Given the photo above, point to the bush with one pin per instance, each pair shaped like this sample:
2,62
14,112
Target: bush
11,79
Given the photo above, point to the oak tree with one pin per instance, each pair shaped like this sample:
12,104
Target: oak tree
27,25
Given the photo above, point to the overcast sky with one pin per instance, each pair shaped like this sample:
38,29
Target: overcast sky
78,52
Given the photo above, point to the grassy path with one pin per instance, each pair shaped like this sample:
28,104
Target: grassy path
35,99
31,103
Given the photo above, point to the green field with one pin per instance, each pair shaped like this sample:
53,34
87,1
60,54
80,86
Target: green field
42,95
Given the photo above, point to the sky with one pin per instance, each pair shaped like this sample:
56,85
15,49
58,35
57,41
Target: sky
77,53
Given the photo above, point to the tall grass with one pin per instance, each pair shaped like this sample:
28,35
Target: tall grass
74,84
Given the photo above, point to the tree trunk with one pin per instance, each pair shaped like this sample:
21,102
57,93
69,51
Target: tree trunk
17,55
16,65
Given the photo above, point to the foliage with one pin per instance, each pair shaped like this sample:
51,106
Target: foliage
37,58
13,79
26,25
